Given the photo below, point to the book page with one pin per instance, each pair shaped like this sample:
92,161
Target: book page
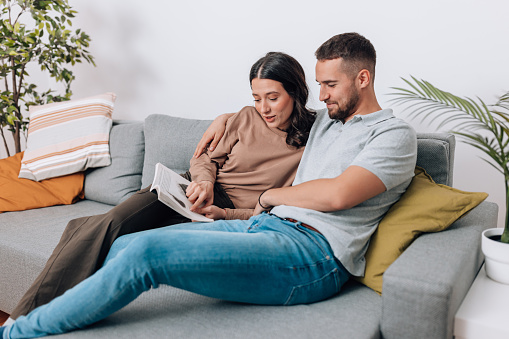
171,190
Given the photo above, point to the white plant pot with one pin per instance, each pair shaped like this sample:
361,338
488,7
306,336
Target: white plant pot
496,256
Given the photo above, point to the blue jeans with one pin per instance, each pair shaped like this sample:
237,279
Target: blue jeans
263,260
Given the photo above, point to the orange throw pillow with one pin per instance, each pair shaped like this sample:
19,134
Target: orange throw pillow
22,194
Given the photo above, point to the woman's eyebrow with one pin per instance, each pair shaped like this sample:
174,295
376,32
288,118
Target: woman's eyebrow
268,93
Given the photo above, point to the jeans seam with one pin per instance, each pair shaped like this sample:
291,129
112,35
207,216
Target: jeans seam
325,253
298,226
334,272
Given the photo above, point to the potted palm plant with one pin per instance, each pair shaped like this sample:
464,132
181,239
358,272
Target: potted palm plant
35,31
479,125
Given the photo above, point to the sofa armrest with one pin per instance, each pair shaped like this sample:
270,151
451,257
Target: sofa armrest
424,287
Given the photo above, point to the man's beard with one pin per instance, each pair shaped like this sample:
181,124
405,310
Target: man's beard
341,113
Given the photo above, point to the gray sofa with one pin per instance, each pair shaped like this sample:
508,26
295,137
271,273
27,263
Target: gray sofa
422,289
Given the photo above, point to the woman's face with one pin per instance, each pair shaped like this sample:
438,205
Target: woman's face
273,103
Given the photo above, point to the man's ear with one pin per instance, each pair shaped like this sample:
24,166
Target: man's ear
364,78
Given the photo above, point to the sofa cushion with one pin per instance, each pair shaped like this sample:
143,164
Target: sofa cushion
167,312
115,183
425,207
68,137
27,240
170,141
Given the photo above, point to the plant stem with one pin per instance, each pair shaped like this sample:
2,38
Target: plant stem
5,79
15,97
505,235
5,142
20,83
14,87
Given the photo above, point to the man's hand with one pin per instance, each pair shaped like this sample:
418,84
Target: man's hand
213,134
266,207
212,212
201,194
354,186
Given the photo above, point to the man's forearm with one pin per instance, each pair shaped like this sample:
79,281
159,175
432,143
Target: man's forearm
349,189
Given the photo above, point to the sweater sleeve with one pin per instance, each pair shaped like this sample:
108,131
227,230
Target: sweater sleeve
204,168
240,213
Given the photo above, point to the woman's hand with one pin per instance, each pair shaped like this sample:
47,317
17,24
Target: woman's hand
212,212
200,194
213,134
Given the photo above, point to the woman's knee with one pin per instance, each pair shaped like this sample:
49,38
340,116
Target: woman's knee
131,208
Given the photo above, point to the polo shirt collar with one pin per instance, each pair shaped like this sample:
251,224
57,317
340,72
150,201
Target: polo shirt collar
376,117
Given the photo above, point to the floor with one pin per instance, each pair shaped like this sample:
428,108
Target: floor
3,317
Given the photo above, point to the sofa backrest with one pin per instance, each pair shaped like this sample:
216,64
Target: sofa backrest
115,183
435,153
170,141
136,147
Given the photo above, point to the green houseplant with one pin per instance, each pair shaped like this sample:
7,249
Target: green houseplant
482,126
33,31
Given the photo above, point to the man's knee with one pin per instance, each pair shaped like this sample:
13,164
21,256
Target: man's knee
140,250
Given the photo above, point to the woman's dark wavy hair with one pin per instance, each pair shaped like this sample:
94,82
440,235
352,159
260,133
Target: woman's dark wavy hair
281,67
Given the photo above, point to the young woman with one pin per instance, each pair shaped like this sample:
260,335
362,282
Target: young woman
261,149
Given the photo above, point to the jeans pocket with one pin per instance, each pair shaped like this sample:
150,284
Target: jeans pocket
317,290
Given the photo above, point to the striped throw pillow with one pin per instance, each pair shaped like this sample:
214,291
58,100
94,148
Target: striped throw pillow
68,137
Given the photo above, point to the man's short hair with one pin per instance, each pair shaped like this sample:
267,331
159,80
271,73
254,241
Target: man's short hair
357,52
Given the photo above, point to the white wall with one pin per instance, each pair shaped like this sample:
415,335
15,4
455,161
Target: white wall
192,58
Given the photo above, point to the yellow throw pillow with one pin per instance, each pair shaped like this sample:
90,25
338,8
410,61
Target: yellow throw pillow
424,207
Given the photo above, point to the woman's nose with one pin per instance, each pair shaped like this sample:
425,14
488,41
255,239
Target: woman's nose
265,107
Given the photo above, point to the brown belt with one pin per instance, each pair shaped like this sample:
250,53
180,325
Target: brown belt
303,224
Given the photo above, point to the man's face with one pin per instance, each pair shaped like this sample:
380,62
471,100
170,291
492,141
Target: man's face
337,89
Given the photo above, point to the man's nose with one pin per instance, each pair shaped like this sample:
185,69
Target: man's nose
324,94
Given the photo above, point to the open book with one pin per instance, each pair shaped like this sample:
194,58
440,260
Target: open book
171,190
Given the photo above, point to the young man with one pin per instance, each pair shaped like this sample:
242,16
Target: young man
359,158
358,161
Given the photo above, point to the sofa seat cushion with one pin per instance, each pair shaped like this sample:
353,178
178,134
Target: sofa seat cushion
27,239
168,312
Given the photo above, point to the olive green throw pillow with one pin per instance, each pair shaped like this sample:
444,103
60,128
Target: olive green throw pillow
424,207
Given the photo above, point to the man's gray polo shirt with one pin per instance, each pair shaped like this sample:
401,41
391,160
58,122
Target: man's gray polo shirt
378,142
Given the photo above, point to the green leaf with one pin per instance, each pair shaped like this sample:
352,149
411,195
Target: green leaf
23,43
484,127
11,109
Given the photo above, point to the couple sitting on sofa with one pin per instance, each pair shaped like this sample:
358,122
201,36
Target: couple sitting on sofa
358,161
